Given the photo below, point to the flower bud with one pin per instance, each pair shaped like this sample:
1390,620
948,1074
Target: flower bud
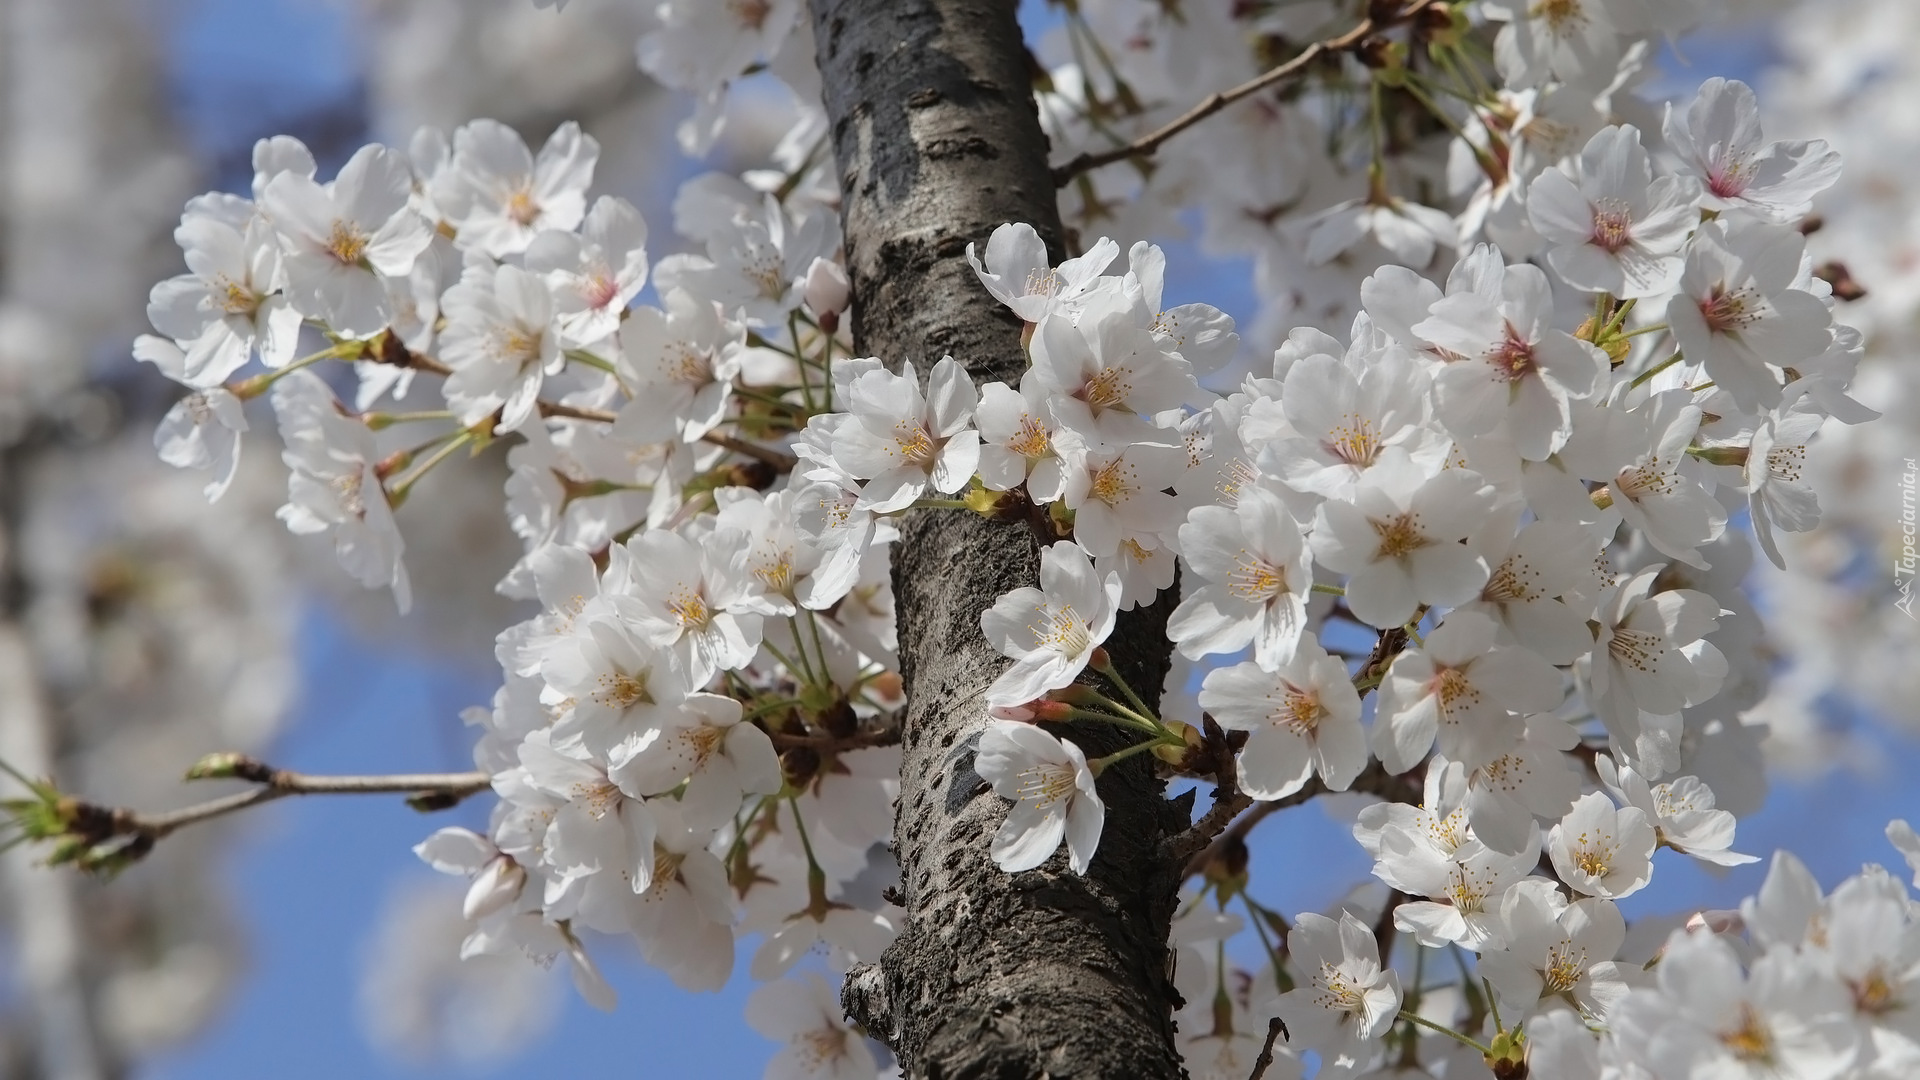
496,885
827,289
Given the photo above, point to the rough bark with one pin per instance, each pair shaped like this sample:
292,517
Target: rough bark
1044,973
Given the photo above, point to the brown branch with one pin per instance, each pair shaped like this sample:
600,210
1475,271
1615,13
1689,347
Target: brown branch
1228,799
571,412
1276,1027
780,460
1213,103
283,782
1373,781
95,837
859,740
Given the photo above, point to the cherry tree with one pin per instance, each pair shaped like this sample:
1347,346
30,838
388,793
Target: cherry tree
894,559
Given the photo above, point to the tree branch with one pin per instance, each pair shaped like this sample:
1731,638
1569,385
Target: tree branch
1276,1027
282,782
1373,781
573,412
1228,799
96,837
1213,103
778,459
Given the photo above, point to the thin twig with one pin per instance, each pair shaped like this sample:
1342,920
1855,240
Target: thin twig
282,783
1214,755
859,740
1213,103
1276,1027
1373,781
1227,805
779,459
573,412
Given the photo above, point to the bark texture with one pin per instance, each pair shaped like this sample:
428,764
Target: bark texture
1009,977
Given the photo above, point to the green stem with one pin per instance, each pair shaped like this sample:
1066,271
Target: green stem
793,331
800,670
582,356
1146,722
379,420
1416,1018
247,389
1109,718
1656,369
820,651
1330,590
1619,317
1653,328
1099,765
1144,710
770,707
399,492
1493,1004
1280,980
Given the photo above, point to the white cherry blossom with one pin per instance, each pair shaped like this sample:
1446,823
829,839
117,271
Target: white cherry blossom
903,442
500,197
501,343
1302,716
1458,689
1612,227
1401,539
1053,796
1602,851
1719,140
805,1014
1050,632
1257,571
1345,999
338,239
1018,274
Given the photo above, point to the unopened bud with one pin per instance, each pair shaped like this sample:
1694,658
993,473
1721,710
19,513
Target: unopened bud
827,289
799,764
496,885
983,502
1716,920
886,686
392,463
1836,274
1192,743
1226,871
230,766
839,719
1507,1055
1720,455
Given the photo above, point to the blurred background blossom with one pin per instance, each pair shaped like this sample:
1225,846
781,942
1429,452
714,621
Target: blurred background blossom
140,629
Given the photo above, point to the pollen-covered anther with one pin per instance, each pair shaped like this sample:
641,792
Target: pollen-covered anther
1612,225
1399,536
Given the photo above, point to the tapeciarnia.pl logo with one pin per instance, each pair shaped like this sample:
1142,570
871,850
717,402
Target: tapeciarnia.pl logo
1904,565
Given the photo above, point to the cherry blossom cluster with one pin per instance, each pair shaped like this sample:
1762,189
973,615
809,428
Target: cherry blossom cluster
1471,557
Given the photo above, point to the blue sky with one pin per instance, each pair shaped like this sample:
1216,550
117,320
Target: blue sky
311,875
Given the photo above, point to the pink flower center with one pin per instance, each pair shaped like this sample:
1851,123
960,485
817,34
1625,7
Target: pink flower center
1612,225
1513,357
1726,312
1729,179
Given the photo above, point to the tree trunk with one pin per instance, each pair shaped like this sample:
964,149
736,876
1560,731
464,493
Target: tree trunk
1043,973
